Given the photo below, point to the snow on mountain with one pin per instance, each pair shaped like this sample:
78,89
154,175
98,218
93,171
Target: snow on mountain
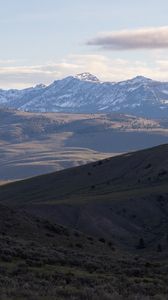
84,93
87,77
16,98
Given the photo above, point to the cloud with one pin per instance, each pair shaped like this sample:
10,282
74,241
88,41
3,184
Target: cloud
144,38
104,68
7,62
26,76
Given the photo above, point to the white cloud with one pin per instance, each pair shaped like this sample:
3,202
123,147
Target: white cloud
143,38
104,68
7,62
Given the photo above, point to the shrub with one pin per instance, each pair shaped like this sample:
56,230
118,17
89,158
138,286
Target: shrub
102,240
141,244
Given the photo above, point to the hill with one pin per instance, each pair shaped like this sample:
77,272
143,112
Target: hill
43,260
40,259
114,244
123,198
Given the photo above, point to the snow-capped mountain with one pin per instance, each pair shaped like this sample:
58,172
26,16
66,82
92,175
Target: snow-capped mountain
87,77
16,98
84,93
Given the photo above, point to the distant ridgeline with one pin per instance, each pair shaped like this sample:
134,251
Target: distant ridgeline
85,93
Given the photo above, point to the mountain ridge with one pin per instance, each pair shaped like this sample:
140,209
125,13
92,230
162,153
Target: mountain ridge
85,93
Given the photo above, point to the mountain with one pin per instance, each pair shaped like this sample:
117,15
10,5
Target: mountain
122,198
84,93
16,98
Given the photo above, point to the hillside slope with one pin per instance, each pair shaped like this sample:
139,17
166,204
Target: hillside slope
54,261
43,260
124,198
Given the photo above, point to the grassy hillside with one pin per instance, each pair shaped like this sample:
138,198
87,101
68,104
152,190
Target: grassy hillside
123,198
112,240
43,260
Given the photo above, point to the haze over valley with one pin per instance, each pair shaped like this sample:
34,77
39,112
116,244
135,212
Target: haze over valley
38,143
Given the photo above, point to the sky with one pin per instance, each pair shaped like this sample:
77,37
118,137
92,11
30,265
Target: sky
46,40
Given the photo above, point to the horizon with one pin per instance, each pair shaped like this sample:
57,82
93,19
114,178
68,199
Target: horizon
45,41
75,76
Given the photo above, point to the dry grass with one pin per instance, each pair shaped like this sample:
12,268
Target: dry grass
33,143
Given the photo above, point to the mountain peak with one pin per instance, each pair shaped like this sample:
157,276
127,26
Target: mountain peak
140,78
87,77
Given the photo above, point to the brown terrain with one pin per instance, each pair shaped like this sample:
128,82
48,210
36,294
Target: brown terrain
98,231
33,144
112,240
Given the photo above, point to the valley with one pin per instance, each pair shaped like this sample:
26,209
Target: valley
38,143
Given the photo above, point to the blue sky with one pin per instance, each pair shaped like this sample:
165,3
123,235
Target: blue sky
43,40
